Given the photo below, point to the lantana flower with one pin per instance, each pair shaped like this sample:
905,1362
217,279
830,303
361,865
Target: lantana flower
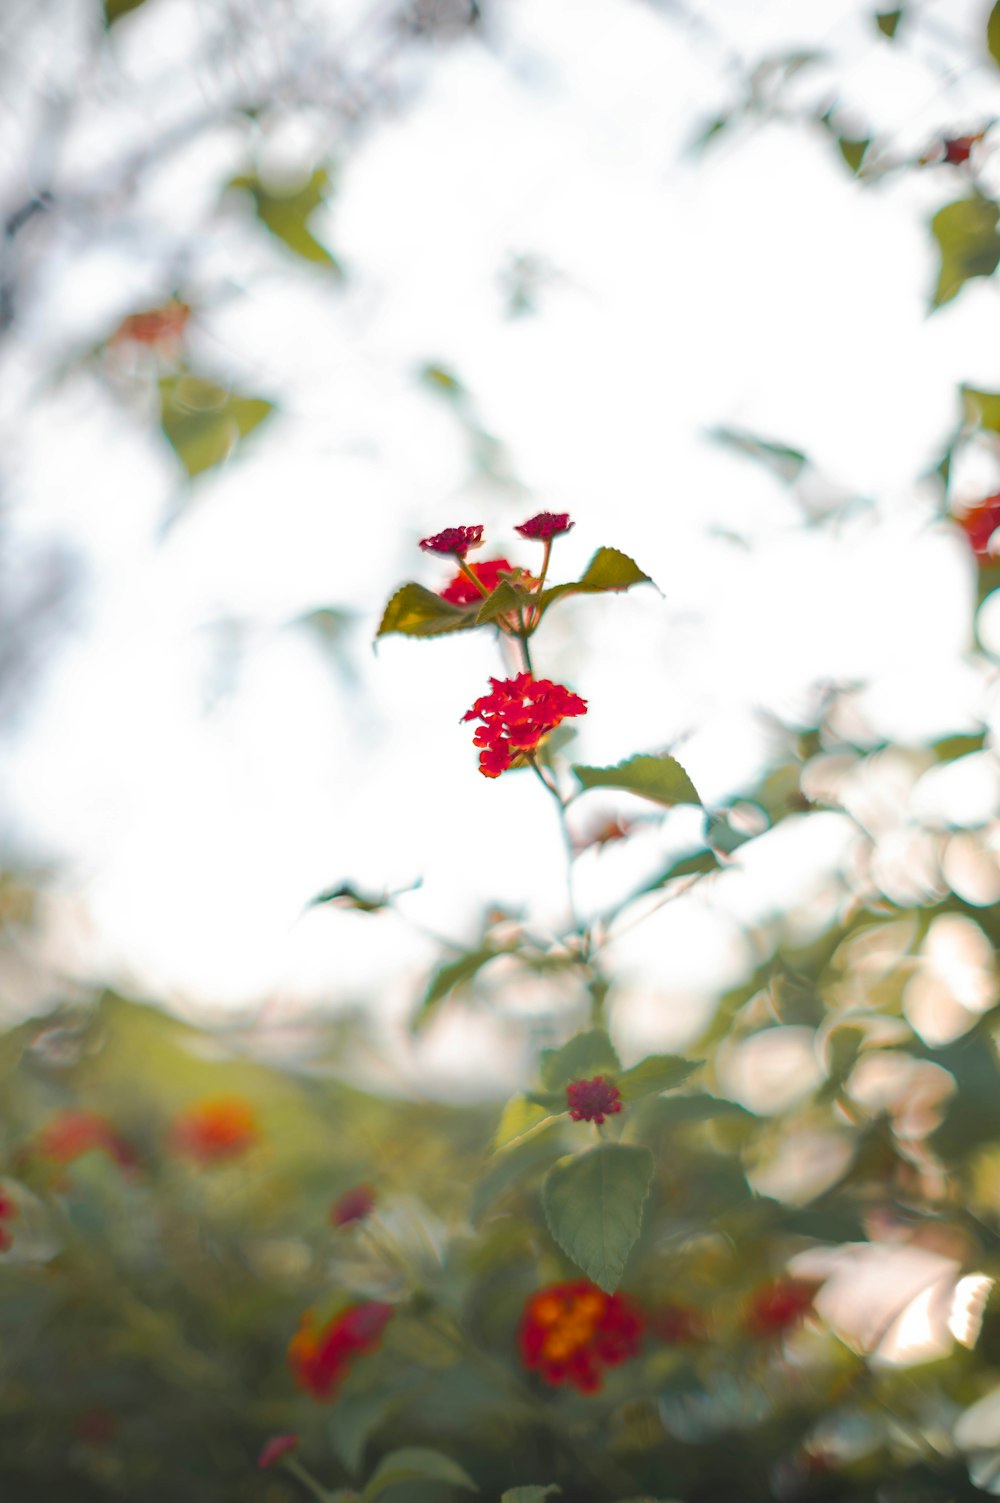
275,1448
320,1355
593,1100
462,591
546,525
516,716
779,1306
570,1332
217,1129
980,522
354,1205
71,1134
456,540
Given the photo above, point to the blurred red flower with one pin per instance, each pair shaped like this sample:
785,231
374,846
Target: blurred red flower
158,328
353,1205
779,1306
71,1134
516,716
461,590
220,1128
678,1325
570,1332
958,149
980,522
546,525
320,1355
593,1100
457,540
275,1448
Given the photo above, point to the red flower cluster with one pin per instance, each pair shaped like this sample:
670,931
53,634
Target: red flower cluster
275,1448
8,1212
211,1131
73,1133
980,522
516,716
569,1332
778,1306
353,1205
457,540
593,1100
461,590
319,1355
547,524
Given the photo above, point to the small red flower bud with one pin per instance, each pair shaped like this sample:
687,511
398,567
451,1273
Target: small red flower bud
570,1332
456,540
518,714
546,525
275,1448
593,1100
353,1205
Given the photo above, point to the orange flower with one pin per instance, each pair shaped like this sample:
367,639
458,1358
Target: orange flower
569,1332
220,1128
319,1355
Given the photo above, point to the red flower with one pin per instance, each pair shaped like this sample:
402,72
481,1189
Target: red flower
275,1448
457,540
8,1212
461,590
223,1127
958,149
516,716
73,1133
980,522
778,1306
353,1205
158,328
569,1332
593,1100
547,524
678,1325
319,1355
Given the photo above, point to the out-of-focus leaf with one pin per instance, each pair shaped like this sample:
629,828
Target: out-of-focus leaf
950,748
517,1167
203,422
346,896
353,1420
608,570
450,978
286,215
698,865
966,233
533,1493
853,149
438,379
661,779
655,1073
678,1111
780,459
888,21
520,1118
993,33
594,1203
115,9
415,1464
417,612
981,407
580,1058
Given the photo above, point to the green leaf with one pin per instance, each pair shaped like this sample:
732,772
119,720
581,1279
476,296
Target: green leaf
346,896
981,407
115,9
853,149
417,612
677,1111
993,33
655,1073
698,865
520,1118
580,1058
416,1464
203,423
533,1493
609,569
449,978
506,597
950,748
353,1420
887,21
286,214
593,1204
966,233
661,779
786,463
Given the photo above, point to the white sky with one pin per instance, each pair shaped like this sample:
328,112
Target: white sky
757,287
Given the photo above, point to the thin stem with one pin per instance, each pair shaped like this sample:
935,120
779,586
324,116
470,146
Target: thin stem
525,650
471,577
293,1465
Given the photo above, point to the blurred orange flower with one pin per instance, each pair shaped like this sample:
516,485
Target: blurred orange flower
319,1355
217,1129
569,1332
71,1134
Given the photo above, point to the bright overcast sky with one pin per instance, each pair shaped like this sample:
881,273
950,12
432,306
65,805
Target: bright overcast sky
191,761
